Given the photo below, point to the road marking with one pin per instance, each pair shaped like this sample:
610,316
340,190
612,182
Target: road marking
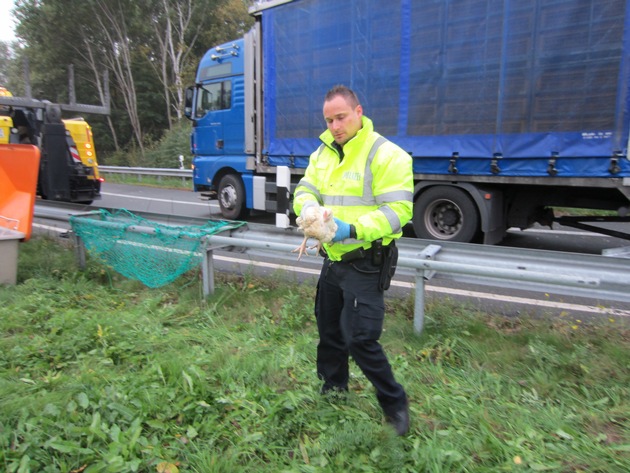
153,199
535,302
454,292
49,228
548,231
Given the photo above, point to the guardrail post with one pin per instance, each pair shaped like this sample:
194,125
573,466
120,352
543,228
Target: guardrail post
207,272
418,312
422,275
79,249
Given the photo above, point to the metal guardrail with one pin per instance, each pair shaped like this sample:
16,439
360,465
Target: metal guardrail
161,172
594,276
600,277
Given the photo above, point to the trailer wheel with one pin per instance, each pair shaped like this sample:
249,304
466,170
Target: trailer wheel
445,213
231,196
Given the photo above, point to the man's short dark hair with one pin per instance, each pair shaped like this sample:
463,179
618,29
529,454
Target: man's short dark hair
344,92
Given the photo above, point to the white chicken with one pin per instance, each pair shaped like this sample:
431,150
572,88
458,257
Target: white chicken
315,222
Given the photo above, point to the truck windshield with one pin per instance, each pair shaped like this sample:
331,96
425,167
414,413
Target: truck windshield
211,97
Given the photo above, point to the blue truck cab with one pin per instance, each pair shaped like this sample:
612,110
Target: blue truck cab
216,107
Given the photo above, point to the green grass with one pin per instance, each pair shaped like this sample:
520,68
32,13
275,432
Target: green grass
100,374
149,181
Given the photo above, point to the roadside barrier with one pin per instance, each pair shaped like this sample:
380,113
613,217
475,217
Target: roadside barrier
600,277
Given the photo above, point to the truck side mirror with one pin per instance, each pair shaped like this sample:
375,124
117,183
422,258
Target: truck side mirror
188,104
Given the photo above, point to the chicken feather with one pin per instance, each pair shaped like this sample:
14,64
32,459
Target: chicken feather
315,222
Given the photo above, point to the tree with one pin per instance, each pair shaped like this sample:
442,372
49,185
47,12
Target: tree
118,57
150,48
178,27
89,54
171,27
5,60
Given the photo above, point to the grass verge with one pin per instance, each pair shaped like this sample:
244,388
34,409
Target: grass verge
100,374
149,181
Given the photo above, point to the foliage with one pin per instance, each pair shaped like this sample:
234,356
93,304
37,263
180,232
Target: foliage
163,153
126,40
98,373
5,62
174,143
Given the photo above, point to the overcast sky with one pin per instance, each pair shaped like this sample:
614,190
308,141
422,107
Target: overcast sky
6,20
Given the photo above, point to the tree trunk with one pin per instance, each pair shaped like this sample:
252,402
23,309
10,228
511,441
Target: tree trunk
118,60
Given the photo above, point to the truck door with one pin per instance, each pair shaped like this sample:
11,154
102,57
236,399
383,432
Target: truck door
212,104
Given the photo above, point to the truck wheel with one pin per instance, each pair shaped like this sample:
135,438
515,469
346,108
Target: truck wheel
231,195
445,213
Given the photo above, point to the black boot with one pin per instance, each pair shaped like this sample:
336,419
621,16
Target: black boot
399,420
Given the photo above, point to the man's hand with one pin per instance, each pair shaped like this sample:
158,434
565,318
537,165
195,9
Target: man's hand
343,230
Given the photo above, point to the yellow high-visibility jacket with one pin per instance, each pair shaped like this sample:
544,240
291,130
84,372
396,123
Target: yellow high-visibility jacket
371,188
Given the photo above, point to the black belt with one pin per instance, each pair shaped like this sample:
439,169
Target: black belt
356,254
375,253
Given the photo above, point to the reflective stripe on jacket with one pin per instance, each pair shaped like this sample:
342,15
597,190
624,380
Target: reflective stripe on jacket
371,188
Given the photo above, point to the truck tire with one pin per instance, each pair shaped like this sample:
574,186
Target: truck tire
445,213
231,196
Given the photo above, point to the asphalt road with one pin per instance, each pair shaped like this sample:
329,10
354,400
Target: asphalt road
509,302
188,203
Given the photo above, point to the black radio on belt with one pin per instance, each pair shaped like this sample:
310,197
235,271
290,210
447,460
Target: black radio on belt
377,252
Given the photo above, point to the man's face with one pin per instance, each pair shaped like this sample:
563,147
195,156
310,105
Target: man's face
343,121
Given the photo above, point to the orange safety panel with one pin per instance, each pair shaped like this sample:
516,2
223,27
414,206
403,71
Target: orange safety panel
19,167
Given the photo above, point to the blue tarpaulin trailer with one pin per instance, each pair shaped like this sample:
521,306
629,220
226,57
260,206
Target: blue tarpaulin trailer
508,108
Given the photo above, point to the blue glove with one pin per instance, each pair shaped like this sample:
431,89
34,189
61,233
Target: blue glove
343,230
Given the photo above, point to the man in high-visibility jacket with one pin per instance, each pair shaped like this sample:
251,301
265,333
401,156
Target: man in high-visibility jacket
367,182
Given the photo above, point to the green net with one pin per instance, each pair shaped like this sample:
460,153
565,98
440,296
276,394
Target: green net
150,252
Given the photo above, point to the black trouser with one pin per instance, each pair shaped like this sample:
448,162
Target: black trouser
350,310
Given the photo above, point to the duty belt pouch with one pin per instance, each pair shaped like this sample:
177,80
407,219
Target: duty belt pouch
390,259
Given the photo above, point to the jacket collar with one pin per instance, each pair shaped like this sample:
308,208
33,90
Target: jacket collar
367,127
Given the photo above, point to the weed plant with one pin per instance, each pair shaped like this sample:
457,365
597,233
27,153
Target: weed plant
100,374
